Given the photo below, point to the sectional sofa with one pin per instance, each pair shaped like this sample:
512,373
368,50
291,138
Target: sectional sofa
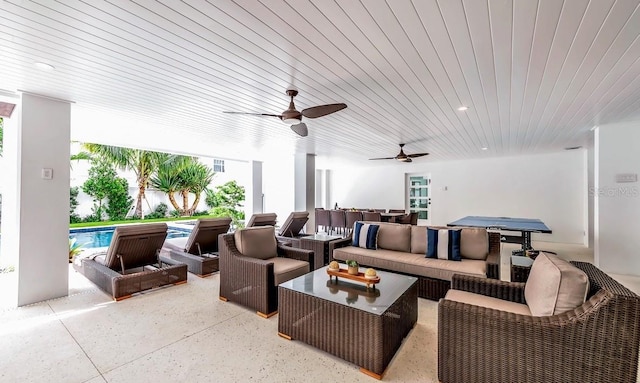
403,248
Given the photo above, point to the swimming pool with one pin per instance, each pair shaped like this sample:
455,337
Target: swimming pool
93,237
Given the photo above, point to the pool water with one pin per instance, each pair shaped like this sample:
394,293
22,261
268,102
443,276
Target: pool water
101,237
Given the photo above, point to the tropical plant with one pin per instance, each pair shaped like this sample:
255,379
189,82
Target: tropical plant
119,200
226,201
103,185
160,211
75,248
142,162
183,175
73,204
195,177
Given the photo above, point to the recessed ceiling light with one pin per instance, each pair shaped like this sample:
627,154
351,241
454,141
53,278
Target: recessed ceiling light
484,148
44,66
463,108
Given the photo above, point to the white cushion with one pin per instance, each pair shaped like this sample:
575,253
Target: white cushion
487,302
554,286
257,242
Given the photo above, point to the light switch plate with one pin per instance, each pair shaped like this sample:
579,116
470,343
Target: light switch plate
47,173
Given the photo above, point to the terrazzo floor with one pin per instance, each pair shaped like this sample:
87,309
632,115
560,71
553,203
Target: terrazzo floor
185,333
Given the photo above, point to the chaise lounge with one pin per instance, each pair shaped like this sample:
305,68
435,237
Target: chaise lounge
291,229
131,264
199,251
262,219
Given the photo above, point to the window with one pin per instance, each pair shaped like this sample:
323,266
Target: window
218,166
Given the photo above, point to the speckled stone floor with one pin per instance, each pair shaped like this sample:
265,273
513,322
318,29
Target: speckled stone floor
185,334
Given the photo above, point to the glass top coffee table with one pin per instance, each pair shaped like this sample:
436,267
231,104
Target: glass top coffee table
362,325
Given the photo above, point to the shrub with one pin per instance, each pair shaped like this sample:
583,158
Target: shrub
103,185
159,212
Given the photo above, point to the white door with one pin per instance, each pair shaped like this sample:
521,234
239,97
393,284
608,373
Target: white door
419,196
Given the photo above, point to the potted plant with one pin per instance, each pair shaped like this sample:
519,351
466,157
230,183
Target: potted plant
74,249
352,267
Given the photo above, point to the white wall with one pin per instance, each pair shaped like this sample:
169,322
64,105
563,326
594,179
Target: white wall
617,205
278,186
551,187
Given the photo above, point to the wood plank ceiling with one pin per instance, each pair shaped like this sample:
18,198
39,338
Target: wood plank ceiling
536,75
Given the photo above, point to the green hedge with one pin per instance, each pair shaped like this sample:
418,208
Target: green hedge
111,223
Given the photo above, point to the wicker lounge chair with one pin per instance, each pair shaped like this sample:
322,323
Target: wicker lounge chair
131,264
291,229
595,342
262,219
199,251
252,265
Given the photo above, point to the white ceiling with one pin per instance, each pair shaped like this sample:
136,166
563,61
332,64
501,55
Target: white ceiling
536,75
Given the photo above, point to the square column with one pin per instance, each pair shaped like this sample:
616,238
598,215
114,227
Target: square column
254,192
35,223
305,185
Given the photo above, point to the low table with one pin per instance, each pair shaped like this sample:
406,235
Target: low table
363,326
321,246
520,268
202,266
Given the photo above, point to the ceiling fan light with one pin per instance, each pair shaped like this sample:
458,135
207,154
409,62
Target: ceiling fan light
291,121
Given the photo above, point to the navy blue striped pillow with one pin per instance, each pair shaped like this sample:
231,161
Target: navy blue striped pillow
365,235
443,244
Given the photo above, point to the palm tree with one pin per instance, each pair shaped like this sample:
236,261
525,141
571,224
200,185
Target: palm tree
184,175
142,162
195,176
166,180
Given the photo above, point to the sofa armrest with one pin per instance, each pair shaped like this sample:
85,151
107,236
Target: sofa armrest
510,291
493,265
338,243
295,253
500,346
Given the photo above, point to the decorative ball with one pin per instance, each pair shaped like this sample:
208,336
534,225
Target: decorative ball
370,273
334,265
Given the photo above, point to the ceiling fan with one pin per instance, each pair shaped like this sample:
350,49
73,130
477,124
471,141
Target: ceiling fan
402,157
294,118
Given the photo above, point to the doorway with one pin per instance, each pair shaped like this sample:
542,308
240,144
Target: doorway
419,197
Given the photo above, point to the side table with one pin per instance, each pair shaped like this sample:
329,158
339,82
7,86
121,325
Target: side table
322,246
520,268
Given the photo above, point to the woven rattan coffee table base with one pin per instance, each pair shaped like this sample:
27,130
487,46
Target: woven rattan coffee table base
365,339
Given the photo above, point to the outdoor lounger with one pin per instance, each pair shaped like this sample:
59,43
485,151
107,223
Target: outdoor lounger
131,263
199,251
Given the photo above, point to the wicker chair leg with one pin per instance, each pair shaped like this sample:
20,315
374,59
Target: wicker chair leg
266,316
371,373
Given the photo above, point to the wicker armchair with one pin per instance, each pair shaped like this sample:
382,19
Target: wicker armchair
595,342
251,279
